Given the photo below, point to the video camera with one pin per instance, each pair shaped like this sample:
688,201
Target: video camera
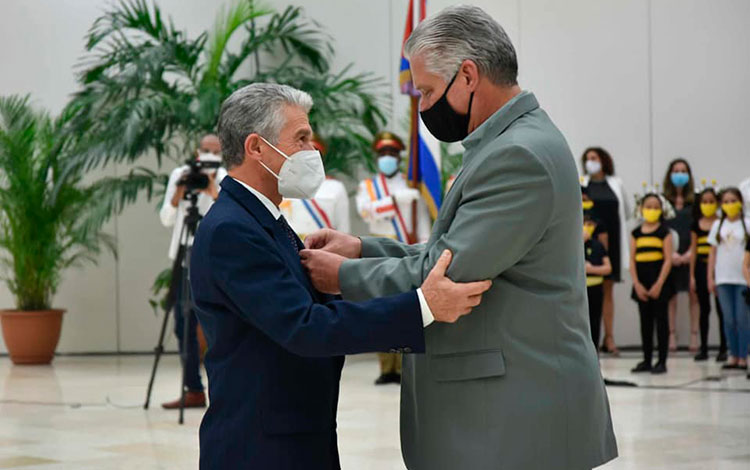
196,179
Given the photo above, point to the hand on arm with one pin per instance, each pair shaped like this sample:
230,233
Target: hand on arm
446,300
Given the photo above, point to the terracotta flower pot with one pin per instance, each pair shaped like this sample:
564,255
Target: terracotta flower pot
31,336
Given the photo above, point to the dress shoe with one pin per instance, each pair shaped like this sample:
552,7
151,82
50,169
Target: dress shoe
192,400
701,356
660,368
389,378
721,357
644,366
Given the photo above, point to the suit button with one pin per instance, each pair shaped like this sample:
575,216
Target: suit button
407,350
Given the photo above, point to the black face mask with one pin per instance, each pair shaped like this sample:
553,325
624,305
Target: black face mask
444,122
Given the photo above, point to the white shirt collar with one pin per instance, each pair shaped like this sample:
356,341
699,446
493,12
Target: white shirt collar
275,212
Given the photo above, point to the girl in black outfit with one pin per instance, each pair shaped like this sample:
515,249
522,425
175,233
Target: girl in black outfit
650,264
679,190
705,216
597,266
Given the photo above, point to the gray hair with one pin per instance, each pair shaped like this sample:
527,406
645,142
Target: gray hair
464,32
255,109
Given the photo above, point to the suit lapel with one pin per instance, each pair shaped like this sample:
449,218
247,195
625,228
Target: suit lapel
272,227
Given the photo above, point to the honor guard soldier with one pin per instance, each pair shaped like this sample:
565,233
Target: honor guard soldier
328,209
394,210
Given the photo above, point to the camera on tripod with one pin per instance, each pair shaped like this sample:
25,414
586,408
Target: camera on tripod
196,179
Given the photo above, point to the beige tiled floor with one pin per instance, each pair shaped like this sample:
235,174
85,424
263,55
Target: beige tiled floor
86,413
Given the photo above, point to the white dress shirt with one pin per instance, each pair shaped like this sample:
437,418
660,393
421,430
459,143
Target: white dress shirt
427,317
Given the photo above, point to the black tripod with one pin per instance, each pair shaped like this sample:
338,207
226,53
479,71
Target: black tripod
189,227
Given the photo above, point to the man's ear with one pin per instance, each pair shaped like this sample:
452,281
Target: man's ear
252,147
470,73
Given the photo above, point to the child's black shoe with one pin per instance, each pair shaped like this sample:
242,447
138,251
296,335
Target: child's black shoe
659,368
643,366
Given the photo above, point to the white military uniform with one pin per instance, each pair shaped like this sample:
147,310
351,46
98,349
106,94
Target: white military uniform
329,208
375,204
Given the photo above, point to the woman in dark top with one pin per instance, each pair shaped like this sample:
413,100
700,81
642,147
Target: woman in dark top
611,209
679,190
703,219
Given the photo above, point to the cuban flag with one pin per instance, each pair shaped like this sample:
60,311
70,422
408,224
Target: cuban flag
424,149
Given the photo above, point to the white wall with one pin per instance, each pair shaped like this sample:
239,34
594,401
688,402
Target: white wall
648,80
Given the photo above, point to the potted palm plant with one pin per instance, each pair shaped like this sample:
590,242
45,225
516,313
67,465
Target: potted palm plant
49,221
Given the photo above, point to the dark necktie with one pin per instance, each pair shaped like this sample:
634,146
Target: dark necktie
291,236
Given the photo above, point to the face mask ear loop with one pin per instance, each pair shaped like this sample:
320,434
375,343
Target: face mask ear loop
280,153
269,170
274,147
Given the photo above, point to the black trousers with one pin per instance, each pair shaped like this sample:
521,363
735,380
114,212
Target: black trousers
596,301
704,301
654,312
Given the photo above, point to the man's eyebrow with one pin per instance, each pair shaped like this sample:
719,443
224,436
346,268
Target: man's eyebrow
303,132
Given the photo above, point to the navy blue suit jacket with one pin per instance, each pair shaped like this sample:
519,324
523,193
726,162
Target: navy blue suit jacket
275,344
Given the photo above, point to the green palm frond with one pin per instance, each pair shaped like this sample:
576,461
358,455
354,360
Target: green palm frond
111,195
228,21
43,204
149,89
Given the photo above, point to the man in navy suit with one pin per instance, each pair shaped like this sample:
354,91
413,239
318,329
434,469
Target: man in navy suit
276,345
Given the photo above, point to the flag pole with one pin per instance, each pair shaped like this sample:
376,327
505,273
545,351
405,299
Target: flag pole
415,162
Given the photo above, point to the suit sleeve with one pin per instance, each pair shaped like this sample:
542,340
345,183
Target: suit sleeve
378,247
504,211
424,224
261,289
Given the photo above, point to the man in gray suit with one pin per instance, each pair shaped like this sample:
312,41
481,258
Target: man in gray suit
515,385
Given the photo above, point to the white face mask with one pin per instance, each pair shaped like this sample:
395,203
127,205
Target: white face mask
301,174
593,167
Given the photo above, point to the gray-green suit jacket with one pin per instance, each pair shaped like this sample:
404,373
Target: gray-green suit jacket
516,384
